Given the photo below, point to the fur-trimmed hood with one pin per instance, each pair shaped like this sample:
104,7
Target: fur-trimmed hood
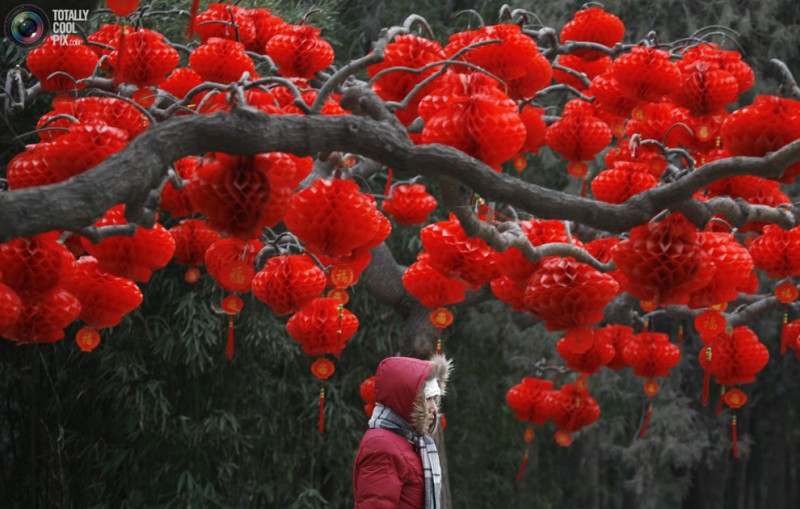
399,384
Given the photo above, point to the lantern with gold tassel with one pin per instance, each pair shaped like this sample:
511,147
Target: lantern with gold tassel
322,328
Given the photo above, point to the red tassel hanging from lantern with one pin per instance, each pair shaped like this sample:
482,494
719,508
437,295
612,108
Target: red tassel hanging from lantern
322,369
231,305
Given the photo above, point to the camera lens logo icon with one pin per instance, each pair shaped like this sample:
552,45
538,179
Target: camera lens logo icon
26,26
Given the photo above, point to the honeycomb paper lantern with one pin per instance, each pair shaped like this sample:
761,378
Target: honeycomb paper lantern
71,57
469,112
233,192
10,308
624,180
733,268
288,283
775,252
231,262
515,59
299,51
226,21
72,153
192,240
134,257
567,294
590,68
513,264
527,400
618,336
735,356
587,362
430,287
99,111
593,25
409,204
646,73
221,61
405,51
571,409
651,355
322,327
143,59
266,24
457,256
663,262
334,218
35,266
104,298
43,320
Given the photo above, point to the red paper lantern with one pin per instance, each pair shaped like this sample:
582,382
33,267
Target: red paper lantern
226,21
510,291
513,264
177,201
71,57
267,25
299,51
430,287
288,283
735,356
567,294
221,61
618,336
515,59
231,262
72,153
441,318
134,257
104,298
571,409
728,61
733,268
10,307
334,218
710,324
663,262
367,392
593,25
107,35
192,240
786,293
590,360
790,336
322,368
646,73
180,82
578,135
409,204
123,7
457,256
655,121
470,113
765,126
704,87
43,320
527,400
623,181
344,274
97,111
775,252
410,52
233,192
87,339
143,59
651,355
535,128
323,327
609,96
35,266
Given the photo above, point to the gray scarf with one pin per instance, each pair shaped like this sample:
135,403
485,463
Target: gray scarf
385,418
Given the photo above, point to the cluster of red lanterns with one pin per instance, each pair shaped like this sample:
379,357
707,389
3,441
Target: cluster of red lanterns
642,94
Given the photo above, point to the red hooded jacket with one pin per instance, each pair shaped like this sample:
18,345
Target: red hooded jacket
388,470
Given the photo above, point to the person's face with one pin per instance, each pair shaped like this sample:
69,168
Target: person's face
431,408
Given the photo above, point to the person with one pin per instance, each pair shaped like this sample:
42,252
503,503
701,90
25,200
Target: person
397,465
